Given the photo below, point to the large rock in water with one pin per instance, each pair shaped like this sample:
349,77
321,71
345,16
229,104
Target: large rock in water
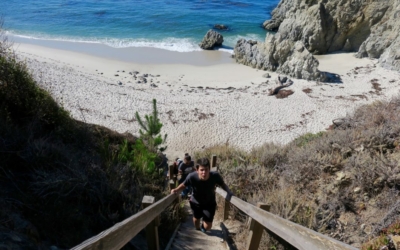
368,27
283,56
211,40
220,27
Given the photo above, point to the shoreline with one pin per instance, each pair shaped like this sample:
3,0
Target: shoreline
202,105
147,55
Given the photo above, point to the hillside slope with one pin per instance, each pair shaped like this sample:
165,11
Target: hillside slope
62,181
343,182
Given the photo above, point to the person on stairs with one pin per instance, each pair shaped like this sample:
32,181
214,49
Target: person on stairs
184,169
202,201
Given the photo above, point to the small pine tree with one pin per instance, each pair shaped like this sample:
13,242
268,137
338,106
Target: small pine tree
150,132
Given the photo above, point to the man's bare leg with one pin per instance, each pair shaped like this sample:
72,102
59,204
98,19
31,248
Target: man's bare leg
196,223
207,225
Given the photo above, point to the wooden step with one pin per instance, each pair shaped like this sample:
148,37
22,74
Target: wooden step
188,238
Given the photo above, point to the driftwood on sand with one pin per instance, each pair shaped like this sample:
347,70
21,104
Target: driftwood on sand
283,83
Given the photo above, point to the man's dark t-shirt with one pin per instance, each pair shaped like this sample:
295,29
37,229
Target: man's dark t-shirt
203,191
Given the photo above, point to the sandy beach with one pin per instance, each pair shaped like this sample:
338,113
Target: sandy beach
204,97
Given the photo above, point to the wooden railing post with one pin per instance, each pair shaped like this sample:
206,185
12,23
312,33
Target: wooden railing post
171,172
151,228
213,162
226,202
171,184
172,177
256,230
226,209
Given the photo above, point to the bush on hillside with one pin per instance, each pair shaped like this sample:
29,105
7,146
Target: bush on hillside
331,182
62,181
150,132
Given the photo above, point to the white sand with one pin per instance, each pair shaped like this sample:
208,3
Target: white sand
195,118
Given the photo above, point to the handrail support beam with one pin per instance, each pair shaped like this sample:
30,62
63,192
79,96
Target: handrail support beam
256,229
152,227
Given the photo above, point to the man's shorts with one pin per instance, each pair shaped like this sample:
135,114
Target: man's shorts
206,212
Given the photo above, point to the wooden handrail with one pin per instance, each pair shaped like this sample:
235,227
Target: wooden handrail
298,236
121,233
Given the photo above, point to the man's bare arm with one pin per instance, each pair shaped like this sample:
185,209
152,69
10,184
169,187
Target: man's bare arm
178,189
226,188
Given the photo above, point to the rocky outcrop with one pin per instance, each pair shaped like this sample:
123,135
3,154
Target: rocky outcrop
384,40
220,27
211,40
390,58
369,27
283,56
278,15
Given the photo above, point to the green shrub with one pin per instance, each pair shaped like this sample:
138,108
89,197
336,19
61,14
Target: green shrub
144,159
150,132
21,99
382,240
307,138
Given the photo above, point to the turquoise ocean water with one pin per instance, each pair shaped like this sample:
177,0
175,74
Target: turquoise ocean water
177,25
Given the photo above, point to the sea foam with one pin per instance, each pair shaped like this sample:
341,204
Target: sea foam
170,43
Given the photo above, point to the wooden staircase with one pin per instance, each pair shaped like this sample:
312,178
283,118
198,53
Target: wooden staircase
186,237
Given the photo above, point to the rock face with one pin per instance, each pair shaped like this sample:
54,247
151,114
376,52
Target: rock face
384,40
211,39
369,27
309,27
283,56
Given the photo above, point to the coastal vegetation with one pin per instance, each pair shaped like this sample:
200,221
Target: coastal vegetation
343,182
63,181
151,133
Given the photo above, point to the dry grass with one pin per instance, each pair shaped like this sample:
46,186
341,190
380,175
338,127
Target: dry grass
383,241
331,182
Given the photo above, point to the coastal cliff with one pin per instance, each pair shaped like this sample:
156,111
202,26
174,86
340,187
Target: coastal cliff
367,27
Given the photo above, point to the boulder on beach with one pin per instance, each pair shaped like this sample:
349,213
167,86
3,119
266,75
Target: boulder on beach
211,40
285,57
267,75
